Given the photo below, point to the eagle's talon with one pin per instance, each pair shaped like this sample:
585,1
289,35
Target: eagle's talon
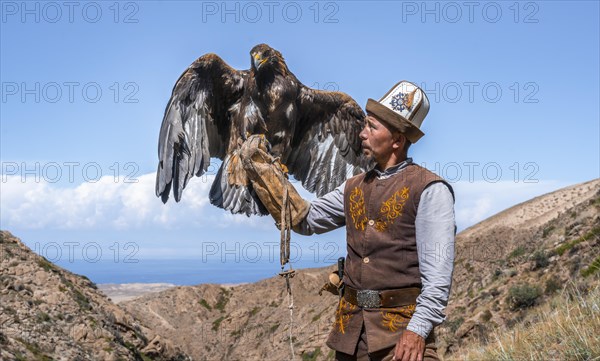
284,168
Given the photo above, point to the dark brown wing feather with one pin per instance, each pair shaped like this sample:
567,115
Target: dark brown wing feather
326,149
196,125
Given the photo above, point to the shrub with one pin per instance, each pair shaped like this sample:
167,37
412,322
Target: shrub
592,268
596,202
273,328
222,300
517,252
82,300
47,266
547,231
454,324
216,323
497,274
486,316
540,259
311,356
512,272
254,311
205,304
552,285
43,317
569,245
523,296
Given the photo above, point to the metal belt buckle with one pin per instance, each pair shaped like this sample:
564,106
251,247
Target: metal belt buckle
368,298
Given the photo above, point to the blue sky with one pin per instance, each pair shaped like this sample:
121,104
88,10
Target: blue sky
513,88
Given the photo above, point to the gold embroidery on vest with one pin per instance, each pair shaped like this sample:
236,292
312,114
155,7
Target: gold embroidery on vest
397,318
358,210
392,209
343,315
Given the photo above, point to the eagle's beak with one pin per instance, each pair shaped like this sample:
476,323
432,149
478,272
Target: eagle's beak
258,60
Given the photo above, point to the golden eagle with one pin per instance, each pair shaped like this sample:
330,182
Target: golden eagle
214,108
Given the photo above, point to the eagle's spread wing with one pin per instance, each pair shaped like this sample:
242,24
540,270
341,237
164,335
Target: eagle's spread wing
196,125
326,149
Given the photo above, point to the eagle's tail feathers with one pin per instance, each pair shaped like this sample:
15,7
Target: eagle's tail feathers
234,198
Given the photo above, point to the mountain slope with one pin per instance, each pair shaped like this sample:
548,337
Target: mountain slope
249,321
48,313
518,259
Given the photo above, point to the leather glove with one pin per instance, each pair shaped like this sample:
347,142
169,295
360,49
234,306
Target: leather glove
269,179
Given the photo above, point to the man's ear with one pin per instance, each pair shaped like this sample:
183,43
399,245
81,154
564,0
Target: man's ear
399,140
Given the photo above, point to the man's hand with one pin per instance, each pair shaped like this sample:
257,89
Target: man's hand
410,347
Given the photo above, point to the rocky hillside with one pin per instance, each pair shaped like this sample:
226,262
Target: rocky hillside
520,258
48,313
244,322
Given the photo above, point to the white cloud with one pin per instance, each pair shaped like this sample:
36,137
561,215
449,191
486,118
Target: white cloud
107,204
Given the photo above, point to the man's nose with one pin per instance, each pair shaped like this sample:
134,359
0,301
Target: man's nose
363,133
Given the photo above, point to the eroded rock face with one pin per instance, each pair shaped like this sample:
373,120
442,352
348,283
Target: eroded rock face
47,311
243,322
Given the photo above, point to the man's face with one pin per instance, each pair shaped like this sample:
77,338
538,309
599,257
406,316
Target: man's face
378,142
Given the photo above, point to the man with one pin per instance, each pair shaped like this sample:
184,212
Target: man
400,235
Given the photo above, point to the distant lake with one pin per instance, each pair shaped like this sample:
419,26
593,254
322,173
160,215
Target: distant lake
179,271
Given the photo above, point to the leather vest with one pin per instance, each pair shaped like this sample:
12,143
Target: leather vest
382,253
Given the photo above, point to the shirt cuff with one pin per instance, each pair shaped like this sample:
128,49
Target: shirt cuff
420,327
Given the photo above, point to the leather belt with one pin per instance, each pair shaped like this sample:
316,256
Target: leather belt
386,298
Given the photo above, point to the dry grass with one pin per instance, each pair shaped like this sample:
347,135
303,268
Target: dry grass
566,328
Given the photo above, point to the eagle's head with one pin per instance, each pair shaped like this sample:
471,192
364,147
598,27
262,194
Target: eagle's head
263,57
